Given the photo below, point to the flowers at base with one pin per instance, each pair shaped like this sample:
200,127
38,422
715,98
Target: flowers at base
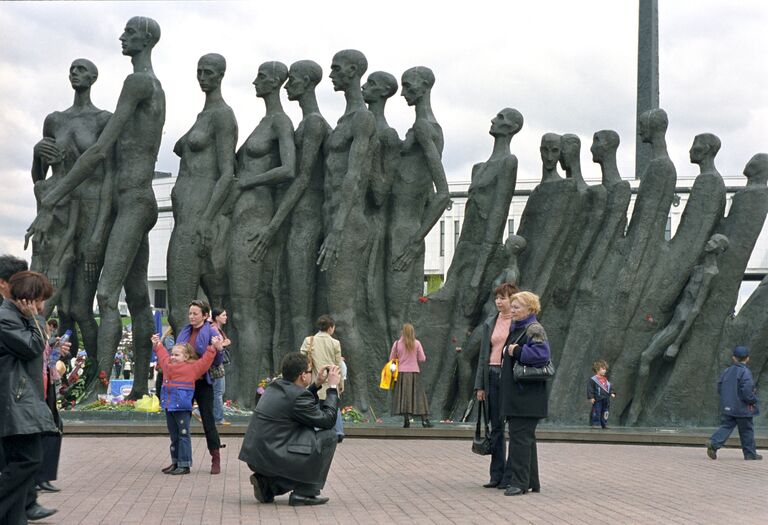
263,384
103,405
351,415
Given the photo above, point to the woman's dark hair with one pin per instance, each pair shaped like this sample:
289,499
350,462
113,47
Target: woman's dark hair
216,312
204,307
53,323
325,322
31,286
505,290
292,365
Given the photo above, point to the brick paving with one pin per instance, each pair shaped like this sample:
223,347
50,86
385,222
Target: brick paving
118,480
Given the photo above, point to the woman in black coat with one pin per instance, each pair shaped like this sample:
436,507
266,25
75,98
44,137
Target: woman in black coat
523,404
24,416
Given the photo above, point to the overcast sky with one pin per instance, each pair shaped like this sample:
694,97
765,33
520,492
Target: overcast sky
569,67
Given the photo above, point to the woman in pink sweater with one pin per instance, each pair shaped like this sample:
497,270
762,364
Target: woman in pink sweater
409,397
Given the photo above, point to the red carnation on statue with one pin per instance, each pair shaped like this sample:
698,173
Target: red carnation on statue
423,299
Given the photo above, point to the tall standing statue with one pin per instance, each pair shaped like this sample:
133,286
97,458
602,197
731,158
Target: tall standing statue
378,88
302,203
344,253
419,196
266,159
83,221
450,313
135,131
207,153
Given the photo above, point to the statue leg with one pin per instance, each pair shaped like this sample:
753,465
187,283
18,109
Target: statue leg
143,324
81,308
302,251
655,348
183,265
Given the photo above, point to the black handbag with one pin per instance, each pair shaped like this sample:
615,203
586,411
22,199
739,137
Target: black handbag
528,374
481,444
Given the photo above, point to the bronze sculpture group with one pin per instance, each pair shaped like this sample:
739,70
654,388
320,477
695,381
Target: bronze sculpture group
321,219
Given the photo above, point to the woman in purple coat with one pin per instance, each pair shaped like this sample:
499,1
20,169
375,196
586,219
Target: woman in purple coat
523,404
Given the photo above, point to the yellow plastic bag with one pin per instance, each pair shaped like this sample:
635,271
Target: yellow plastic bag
147,404
388,375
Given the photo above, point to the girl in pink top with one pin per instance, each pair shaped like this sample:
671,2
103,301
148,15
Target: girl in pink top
409,397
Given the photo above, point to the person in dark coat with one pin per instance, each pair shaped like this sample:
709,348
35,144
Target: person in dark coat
291,439
488,379
523,404
24,416
738,405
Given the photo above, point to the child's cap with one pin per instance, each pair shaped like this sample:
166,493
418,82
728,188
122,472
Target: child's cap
741,352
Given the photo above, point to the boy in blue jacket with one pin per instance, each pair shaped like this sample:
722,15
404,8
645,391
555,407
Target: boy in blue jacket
738,405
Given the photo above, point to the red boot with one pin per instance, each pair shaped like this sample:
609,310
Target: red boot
215,461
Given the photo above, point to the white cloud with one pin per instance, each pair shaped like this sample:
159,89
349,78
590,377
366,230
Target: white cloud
567,66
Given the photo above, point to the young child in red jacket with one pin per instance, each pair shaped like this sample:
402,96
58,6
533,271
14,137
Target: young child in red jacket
180,371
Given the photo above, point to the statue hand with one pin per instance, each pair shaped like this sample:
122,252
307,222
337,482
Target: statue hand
406,258
671,352
39,226
329,251
259,242
47,150
204,239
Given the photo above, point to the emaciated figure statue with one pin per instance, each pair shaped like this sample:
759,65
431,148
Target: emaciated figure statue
83,221
134,130
207,153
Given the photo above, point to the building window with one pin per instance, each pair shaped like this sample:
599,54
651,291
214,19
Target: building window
442,238
510,227
456,232
668,229
160,299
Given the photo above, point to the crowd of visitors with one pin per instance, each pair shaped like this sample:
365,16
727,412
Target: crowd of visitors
297,423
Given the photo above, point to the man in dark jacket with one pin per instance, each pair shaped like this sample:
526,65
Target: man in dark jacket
738,405
290,441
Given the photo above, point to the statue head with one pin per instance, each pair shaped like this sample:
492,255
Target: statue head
348,66
652,123
380,85
756,170
417,82
82,74
705,146
140,33
718,243
270,77
210,71
550,150
570,148
507,122
515,244
604,142
303,76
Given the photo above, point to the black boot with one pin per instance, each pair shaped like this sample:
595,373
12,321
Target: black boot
425,422
406,421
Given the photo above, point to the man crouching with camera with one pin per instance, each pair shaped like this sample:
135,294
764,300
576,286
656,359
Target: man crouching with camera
290,441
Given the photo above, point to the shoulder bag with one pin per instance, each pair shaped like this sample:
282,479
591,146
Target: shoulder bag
481,443
527,374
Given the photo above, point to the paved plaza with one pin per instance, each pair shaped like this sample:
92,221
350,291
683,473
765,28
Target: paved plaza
118,480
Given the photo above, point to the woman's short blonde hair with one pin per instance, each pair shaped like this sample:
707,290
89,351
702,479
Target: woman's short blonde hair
530,300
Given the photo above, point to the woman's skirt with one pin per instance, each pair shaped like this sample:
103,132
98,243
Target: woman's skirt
409,396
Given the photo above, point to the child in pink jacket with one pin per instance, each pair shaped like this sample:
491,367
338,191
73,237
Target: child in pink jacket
180,371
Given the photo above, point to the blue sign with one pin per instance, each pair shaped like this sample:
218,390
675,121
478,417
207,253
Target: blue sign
120,387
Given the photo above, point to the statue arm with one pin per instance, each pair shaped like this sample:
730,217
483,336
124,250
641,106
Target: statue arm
45,152
363,129
439,200
313,143
363,132
286,171
225,129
